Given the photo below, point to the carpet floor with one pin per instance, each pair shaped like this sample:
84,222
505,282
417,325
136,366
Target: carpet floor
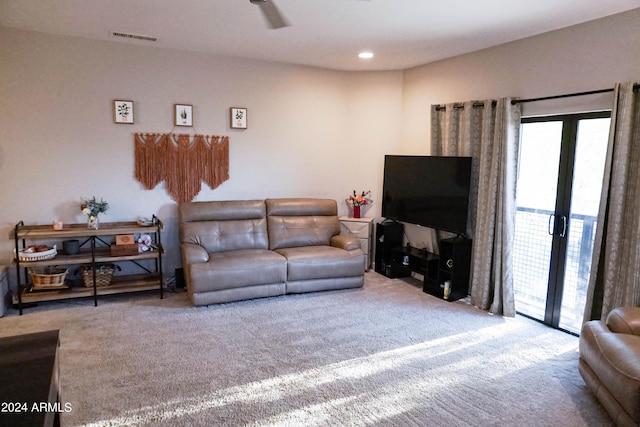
386,354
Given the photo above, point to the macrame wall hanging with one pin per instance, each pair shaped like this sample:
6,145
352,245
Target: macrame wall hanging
181,161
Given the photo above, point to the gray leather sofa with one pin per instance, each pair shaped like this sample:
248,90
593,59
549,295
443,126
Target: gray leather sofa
610,363
244,249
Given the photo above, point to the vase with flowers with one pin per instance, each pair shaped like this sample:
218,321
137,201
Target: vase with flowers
357,201
92,208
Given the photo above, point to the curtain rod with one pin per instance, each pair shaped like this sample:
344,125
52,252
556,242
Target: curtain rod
636,86
566,95
460,105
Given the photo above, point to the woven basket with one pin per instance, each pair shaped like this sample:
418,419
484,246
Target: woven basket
25,255
104,274
47,277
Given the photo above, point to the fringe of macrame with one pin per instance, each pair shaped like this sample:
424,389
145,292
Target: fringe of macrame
181,162
148,156
217,170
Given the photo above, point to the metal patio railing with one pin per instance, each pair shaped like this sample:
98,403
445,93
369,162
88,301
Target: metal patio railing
532,252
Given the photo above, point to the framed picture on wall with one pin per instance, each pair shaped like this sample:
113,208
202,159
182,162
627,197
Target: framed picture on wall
183,115
123,111
238,118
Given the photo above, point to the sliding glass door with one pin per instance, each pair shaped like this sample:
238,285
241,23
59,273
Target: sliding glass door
558,194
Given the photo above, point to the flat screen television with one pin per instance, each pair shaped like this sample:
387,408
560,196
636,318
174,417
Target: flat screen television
431,191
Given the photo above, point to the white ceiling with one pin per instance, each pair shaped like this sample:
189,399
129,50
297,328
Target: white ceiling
323,33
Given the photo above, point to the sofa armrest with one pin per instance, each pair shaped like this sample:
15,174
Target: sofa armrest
624,320
193,253
347,243
587,344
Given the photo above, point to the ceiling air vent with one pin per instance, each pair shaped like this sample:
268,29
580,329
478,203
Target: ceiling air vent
133,36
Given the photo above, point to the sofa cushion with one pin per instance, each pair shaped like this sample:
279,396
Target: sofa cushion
301,222
233,269
237,294
322,262
330,284
224,225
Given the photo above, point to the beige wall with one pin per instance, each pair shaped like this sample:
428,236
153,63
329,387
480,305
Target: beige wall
585,57
590,56
312,132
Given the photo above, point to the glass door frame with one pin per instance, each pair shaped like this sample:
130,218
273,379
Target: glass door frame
559,223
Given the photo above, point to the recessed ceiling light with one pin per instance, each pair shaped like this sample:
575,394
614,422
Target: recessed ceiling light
365,55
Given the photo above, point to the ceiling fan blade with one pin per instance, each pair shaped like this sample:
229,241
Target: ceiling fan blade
274,18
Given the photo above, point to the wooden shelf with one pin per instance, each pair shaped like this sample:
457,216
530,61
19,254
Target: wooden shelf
84,257
36,232
95,249
119,285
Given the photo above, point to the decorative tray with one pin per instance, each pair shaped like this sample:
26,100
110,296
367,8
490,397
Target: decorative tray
30,255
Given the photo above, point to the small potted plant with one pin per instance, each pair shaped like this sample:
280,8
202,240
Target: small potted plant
123,112
239,117
92,208
357,201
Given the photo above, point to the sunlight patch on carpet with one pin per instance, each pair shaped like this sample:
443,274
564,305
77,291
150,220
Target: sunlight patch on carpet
332,381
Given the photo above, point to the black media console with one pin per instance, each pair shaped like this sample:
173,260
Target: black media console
447,271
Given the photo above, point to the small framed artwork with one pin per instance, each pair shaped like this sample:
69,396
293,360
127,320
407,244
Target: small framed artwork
238,118
123,111
183,115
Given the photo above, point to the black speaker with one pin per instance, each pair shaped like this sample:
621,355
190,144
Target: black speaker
455,264
388,236
179,278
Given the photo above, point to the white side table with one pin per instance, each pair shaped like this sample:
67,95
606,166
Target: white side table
361,228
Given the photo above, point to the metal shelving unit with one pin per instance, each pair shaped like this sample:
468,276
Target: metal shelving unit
94,251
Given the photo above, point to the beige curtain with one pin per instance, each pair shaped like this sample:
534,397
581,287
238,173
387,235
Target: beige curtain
489,132
615,267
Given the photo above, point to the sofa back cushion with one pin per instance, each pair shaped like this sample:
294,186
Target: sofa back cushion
301,222
222,226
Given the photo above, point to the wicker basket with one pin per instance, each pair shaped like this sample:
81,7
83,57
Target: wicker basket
25,255
48,277
104,274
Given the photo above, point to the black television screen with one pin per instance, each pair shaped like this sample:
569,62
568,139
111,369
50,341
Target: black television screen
431,191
